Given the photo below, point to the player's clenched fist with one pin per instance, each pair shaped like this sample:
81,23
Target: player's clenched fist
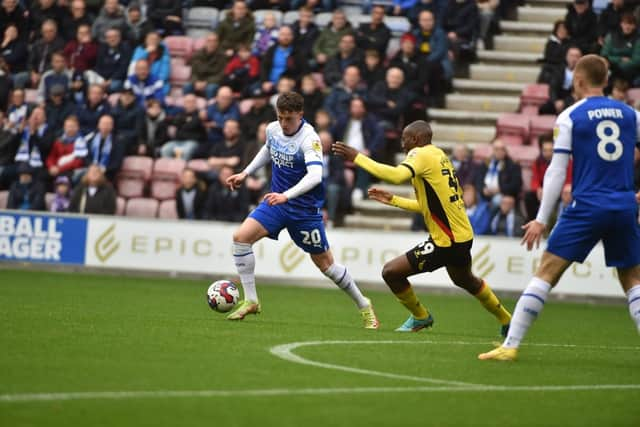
343,150
234,181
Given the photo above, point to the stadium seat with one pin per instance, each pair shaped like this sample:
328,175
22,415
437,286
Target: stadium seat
541,125
164,189
290,17
527,173
177,62
198,43
4,198
397,24
179,46
202,18
529,110
142,207
524,154
166,168
197,33
198,165
513,124
129,187
137,166
180,75
167,209
121,203
258,16
534,95
511,140
482,152
48,199
323,19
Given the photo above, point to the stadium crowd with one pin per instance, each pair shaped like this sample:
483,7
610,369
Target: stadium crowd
87,84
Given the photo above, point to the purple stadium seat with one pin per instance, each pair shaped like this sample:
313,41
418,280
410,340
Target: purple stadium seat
129,187
142,207
164,189
198,165
166,168
534,95
4,198
121,203
167,209
198,44
180,74
524,154
513,124
137,166
179,46
541,125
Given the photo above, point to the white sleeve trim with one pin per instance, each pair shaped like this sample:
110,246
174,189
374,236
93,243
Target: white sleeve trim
552,188
308,182
262,158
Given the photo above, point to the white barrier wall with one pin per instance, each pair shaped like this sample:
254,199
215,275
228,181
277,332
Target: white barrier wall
202,247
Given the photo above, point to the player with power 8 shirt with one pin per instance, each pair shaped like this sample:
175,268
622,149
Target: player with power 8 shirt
601,134
439,201
294,150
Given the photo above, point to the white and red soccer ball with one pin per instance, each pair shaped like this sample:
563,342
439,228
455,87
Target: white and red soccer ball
222,296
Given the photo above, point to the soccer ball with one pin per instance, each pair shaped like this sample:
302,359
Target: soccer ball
222,295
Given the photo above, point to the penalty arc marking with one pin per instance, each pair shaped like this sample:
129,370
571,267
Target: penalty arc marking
285,352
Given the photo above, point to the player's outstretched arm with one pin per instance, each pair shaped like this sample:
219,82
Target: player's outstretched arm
391,174
261,159
390,199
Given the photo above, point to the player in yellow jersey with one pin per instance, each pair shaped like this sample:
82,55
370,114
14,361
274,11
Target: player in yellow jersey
439,200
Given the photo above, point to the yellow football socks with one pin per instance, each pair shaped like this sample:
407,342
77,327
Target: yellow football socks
409,299
492,304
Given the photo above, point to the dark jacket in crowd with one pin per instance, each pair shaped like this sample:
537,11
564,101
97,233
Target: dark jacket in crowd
555,51
462,19
37,16
226,205
70,25
19,17
40,54
232,34
112,64
609,19
56,114
336,64
296,64
88,116
304,42
189,127
249,122
372,133
32,193
15,54
8,146
158,10
509,177
373,38
583,29
102,202
207,66
378,101
198,203
128,124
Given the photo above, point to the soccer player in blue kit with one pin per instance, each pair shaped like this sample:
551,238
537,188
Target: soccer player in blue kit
601,134
297,195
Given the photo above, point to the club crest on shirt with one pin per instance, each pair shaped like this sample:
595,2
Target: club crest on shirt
316,146
556,131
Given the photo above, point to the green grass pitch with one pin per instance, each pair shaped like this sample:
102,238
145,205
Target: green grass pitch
88,350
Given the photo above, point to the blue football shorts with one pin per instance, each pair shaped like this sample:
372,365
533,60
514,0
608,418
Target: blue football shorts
581,227
305,227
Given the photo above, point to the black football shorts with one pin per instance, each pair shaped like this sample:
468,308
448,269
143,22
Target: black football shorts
428,256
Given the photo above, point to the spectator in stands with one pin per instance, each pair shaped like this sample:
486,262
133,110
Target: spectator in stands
389,99
5,84
501,176
466,169
17,112
582,24
313,96
461,24
14,50
338,100
411,63
111,16
432,43
154,130
144,85
157,56
58,75
285,84
360,130
323,121
305,33
338,188
190,132
260,112
266,36
348,54
242,71
165,16
217,114
237,28
81,53
622,50
94,195
128,116
224,204
40,54
507,221
90,111
43,10
35,142
58,107
229,152
560,81
373,69
619,89
556,48
376,34
27,193
207,68
13,12
314,5
102,148
477,210
62,191
403,7
77,16
190,196
280,59
69,150
113,60
137,26
326,45
609,19
8,147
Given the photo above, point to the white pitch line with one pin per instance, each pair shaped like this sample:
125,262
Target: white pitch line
164,394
